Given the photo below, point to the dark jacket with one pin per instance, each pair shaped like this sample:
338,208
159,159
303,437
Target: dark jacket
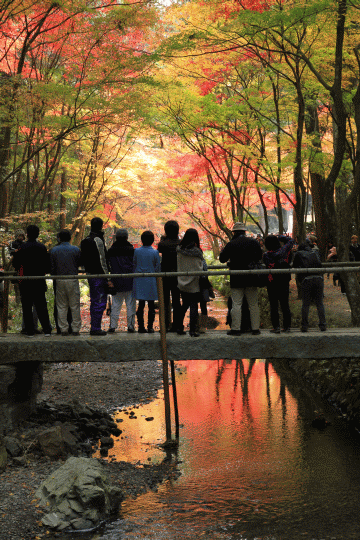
279,258
94,254
241,251
354,252
305,257
167,248
121,261
32,260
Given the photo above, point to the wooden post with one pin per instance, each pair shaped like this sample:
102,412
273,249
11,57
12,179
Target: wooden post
176,410
164,357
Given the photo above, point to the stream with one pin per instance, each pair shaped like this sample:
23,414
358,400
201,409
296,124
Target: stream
252,464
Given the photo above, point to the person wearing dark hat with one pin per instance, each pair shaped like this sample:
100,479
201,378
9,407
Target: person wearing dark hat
241,252
94,259
121,261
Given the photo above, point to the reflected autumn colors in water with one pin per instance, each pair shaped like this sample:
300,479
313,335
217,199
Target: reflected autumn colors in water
252,465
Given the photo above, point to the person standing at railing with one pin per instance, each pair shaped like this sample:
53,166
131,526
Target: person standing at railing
121,261
242,252
33,260
14,246
190,258
312,285
146,260
167,249
278,255
65,260
94,259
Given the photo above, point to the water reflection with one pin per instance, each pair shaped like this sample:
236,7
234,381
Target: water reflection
252,465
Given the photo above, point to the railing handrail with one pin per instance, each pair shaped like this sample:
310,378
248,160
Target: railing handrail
322,270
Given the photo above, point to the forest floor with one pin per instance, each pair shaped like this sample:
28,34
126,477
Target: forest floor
120,386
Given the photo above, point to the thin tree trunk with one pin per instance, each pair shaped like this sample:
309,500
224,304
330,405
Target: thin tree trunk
63,186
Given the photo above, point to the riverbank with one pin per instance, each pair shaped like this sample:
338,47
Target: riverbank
109,387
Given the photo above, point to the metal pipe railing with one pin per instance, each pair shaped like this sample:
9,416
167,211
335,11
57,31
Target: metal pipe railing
222,272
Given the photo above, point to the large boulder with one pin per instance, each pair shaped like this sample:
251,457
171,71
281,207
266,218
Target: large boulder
78,495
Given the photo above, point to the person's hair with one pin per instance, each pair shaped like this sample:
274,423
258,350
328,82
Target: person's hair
64,235
96,224
272,243
354,237
32,232
191,236
235,234
171,229
147,238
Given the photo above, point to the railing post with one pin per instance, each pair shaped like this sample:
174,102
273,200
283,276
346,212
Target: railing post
160,290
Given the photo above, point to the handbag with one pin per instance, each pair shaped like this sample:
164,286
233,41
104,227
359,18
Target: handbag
206,290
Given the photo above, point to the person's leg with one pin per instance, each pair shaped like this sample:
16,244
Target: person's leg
306,300
130,310
245,316
237,299
140,317
185,306
35,319
283,292
166,289
27,302
117,302
62,305
176,305
55,309
273,295
98,299
151,316
74,305
194,306
203,316
40,304
251,294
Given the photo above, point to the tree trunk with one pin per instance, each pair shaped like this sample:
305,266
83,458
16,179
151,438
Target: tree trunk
63,186
317,178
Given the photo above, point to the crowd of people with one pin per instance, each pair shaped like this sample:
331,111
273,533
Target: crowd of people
181,293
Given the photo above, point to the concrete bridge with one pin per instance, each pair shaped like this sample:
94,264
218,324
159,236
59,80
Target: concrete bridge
214,345
22,359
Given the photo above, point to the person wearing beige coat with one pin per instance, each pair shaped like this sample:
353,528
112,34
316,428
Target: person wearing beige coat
189,258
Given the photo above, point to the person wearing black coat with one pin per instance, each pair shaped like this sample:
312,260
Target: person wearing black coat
167,249
312,285
121,261
33,260
278,256
242,252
